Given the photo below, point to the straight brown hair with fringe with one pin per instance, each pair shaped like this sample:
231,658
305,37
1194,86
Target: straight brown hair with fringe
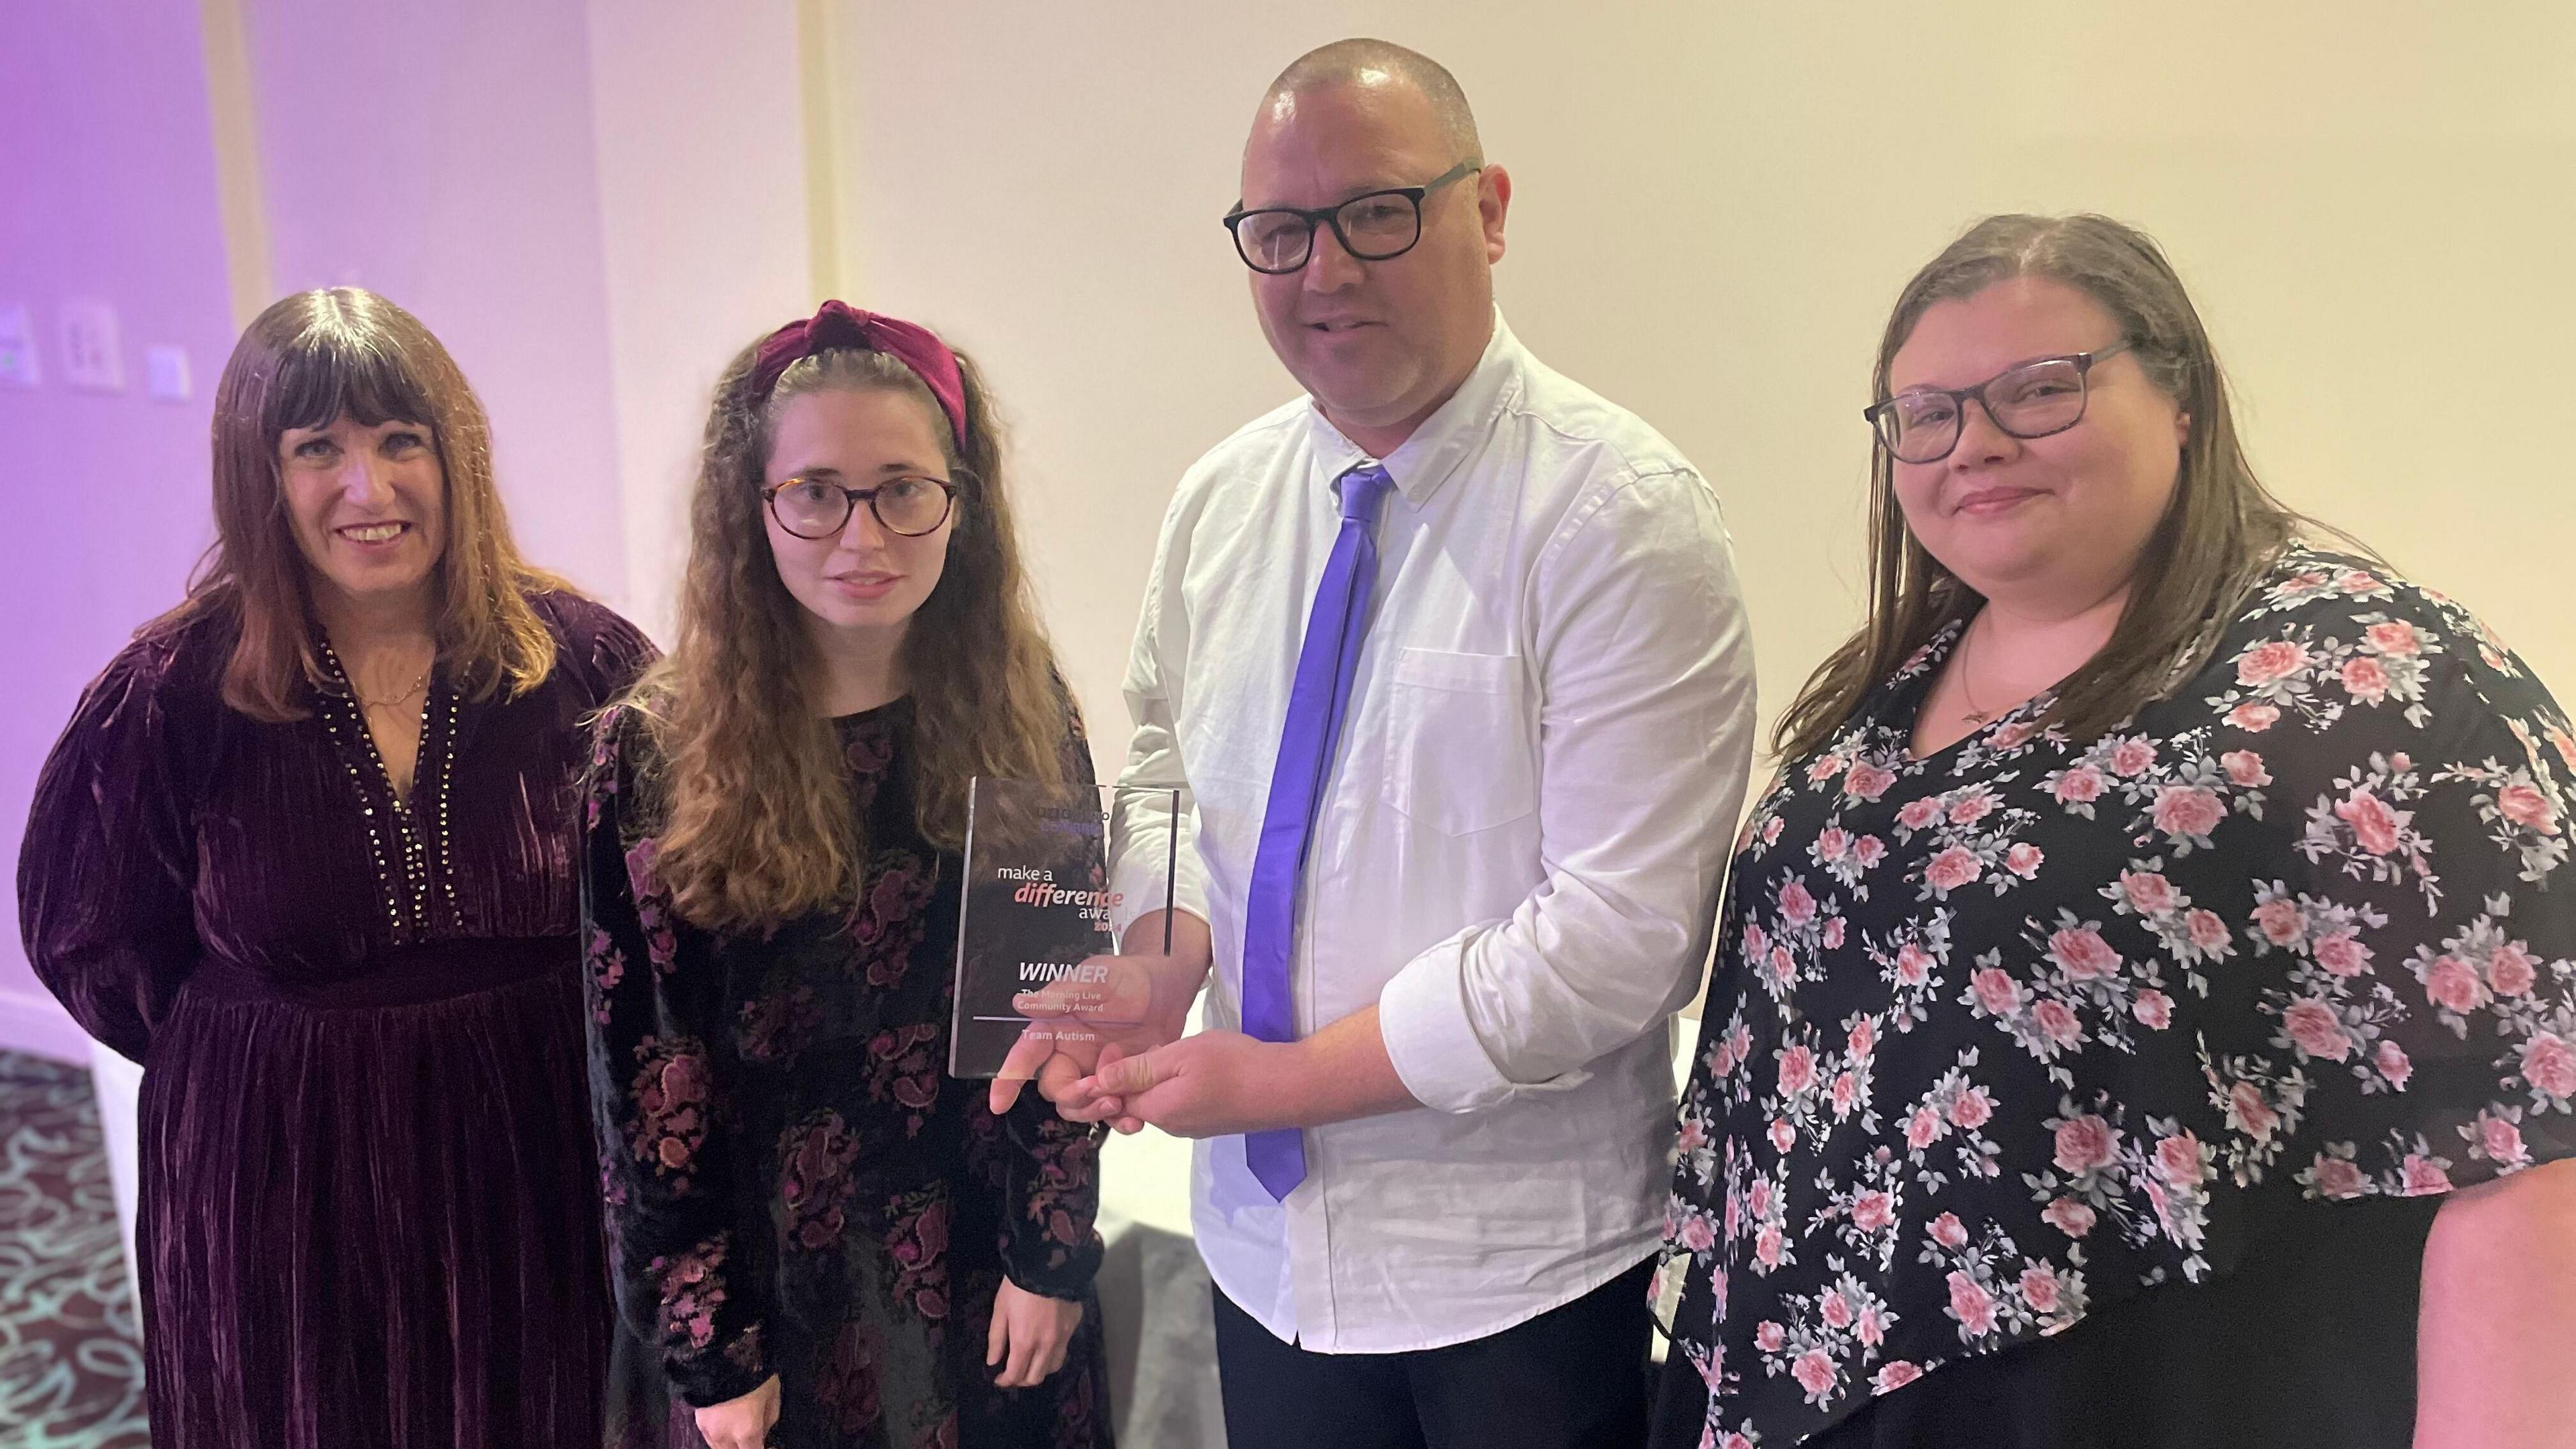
2218,535
752,791
301,364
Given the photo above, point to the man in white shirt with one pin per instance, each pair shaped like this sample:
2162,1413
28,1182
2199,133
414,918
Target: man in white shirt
1451,656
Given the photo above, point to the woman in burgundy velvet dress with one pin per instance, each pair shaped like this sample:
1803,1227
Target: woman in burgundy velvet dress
306,852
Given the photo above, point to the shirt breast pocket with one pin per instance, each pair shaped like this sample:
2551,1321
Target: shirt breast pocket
1459,740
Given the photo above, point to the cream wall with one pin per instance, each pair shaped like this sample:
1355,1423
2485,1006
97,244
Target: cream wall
1715,206
698,139
595,201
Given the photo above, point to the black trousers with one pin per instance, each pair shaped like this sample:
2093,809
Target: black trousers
1572,1378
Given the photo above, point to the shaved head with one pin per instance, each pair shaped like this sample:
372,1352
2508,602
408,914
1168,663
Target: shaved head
1363,62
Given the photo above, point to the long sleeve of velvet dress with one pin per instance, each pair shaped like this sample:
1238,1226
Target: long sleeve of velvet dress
367,1216
795,1187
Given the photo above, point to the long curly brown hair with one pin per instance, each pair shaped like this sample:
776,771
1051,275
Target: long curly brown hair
752,790
300,364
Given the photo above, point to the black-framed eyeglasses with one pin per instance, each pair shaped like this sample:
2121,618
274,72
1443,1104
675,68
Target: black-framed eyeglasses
2032,400
1374,226
818,508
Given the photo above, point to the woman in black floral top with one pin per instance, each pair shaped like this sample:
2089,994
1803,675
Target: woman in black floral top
818,1239
2146,1005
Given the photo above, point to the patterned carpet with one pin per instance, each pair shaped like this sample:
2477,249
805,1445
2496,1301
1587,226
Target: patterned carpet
71,1355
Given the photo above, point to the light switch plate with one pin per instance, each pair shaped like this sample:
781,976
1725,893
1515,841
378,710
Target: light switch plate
18,356
92,358
165,373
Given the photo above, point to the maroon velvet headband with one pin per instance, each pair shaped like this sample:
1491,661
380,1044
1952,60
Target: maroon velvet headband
838,324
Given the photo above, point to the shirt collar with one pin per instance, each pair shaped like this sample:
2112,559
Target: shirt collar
1447,439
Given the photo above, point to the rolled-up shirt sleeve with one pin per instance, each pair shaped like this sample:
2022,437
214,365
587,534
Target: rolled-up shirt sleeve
1645,740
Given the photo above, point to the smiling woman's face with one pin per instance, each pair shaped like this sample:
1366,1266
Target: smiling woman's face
2061,520
367,505
864,580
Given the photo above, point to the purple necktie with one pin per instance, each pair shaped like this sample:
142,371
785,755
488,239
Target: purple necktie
1316,702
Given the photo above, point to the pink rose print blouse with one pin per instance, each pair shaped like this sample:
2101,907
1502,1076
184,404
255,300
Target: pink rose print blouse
2009,1035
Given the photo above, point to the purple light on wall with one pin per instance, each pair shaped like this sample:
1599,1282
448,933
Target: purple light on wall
110,180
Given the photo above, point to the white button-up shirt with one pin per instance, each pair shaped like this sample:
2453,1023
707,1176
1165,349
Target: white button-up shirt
1516,857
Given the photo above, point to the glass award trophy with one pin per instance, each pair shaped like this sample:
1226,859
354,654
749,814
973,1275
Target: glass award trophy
1037,908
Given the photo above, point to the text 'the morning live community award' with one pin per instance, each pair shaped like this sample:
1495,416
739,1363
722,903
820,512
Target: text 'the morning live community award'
1037,905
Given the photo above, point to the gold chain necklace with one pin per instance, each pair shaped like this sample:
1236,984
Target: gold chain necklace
389,702
1975,714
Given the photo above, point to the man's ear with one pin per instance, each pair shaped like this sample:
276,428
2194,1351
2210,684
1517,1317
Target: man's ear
1493,200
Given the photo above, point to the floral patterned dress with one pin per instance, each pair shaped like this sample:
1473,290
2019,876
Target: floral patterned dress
2132,1034
794,1185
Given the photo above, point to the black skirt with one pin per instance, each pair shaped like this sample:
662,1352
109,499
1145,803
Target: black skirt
2311,1342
